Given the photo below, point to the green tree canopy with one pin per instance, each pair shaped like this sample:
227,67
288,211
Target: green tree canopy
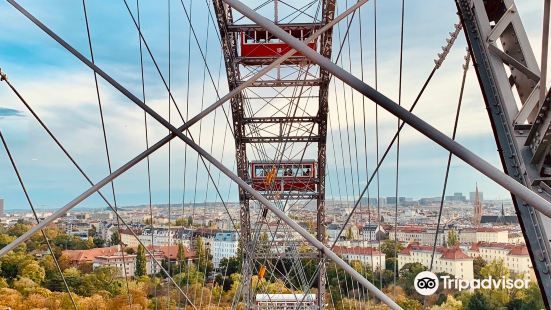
407,276
453,238
115,238
390,248
141,263
33,271
190,276
496,269
478,264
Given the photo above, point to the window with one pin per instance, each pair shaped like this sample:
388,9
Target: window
273,39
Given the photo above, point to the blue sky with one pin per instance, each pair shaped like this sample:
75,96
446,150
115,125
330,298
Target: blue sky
62,92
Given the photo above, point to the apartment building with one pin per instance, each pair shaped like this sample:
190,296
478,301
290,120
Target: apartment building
515,256
484,234
225,245
418,234
366,255
450,260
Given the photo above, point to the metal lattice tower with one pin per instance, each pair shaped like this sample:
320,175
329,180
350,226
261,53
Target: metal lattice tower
252,128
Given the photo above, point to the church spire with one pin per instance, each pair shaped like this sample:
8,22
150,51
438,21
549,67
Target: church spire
477,205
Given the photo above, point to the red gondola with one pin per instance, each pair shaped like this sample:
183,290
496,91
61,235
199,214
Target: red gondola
261,43
286,176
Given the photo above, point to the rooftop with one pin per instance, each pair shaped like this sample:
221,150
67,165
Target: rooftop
356,250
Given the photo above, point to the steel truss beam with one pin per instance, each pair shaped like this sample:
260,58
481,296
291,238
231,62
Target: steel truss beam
259,61
285,83
271,255
229,49
278,120
293,26
522,135
326,47
280,139
288,195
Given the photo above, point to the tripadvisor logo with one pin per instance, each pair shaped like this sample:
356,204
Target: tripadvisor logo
426,283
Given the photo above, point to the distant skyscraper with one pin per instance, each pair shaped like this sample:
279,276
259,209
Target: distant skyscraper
1,207
472,196
477,205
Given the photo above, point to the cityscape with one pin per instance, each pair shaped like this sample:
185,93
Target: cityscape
474,237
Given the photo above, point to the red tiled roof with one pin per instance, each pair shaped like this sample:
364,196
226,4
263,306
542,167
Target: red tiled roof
490,229
485,229
127,231
356,250
475,247
410,229
81,256
170,251
405,251
454,253
514,249
519,250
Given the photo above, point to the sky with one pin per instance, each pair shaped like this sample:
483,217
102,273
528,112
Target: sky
61,90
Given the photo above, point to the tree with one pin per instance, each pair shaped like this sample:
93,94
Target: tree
181,221
391,247
190,276
25,286
141,262
409,303
69,242
18,229
479,301
189,221
450,304
391,264
204,263
5,239
531,299
478,264
99,242
34,272
11,265
497,297
106,279
349,234
496,269
115,238
407,276
453,238
181,255
230,265
90,243
92,231
74,279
